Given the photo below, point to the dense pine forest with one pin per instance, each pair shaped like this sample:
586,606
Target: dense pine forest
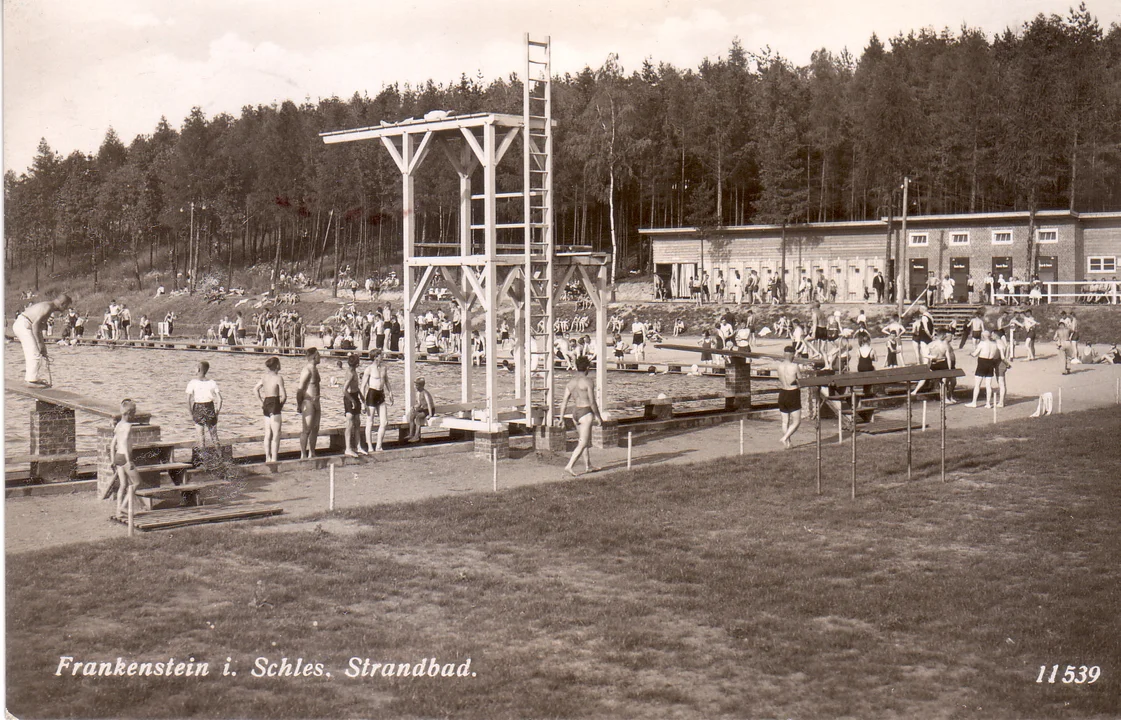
1029,119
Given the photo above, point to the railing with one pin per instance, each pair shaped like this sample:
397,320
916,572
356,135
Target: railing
1100,292
916,301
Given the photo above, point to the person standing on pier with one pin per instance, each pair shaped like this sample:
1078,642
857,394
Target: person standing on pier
204,403
308,405
270,390
789,395
378,396
28,327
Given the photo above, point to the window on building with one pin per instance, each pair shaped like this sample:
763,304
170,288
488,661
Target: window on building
1002,237
1047,235
1101,264
918,240
959,238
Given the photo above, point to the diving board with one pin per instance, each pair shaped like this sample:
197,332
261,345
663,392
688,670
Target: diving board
73,401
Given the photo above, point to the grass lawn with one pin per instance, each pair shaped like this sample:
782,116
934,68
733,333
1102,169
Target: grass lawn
722,589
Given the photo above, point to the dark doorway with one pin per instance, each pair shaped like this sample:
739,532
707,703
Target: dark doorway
1002,266
959,273
918,277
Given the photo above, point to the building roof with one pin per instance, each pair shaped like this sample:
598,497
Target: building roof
881,224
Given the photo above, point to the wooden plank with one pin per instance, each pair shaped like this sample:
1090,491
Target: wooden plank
732,353
880,377
68,399
182,517
173,489
40,458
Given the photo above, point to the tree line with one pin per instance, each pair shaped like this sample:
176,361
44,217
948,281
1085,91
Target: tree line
1028,119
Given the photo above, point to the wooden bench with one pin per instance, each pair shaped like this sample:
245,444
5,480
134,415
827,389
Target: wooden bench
186,495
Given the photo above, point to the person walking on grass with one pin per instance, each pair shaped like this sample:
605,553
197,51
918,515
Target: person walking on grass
308,404
204,403
378,395
582,391
120,450
28,328
270,390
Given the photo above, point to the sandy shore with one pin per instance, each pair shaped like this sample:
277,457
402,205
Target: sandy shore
49,521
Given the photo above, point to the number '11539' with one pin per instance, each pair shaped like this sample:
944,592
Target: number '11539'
1072,674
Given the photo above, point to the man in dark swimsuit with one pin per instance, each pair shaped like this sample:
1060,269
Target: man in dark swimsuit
307,404
377,394
352,406
789,395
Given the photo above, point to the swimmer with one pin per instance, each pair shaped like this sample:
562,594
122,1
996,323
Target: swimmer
270,390
378,395
308,405
419,414
352,406
582,390
120,450
789,395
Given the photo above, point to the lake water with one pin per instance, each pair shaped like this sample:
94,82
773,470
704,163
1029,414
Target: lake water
157,379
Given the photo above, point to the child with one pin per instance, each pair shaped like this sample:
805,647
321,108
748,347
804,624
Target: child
270,390
425,408
120,450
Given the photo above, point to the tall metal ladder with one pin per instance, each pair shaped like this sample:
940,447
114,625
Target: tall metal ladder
537,109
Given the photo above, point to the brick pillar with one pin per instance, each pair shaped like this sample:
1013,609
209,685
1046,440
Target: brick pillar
606,434
737,384
53,432
141,435
487,442
550,439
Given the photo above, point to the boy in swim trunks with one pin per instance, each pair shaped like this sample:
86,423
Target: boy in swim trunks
582,390
307,404
270,390
377,394
425,408
789,395
204,403
352,406
120,450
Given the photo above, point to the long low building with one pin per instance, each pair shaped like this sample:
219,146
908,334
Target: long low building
1071,246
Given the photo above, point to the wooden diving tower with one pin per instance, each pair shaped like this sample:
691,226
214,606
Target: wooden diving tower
506,250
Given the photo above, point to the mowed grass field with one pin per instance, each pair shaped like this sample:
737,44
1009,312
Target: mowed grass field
724,589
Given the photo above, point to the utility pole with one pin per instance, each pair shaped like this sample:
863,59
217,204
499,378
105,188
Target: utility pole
903,279
335,284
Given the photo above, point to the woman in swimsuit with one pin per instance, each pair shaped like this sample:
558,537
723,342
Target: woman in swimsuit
377,393
585,411
352,406
270,389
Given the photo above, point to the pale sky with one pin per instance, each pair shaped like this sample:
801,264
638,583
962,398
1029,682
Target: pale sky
73,68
